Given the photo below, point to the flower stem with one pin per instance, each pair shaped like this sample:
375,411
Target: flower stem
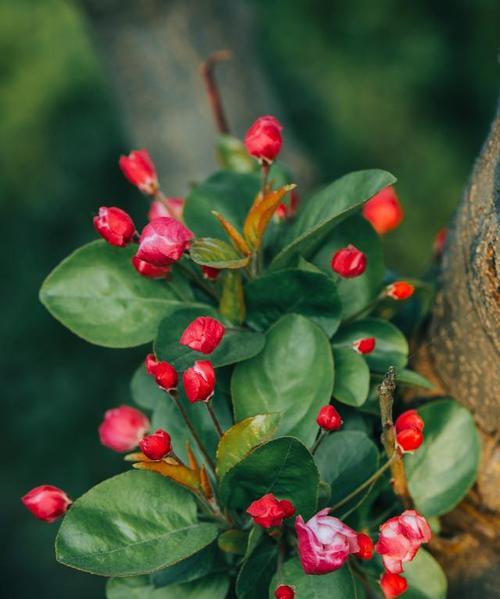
197,281
318,441
194,434
207,70
214,418
375,476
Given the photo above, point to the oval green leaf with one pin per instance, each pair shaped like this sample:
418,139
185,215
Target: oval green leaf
290,291
445,466
326,209
133,523
283,467
391,348
352,377
293,375
426,579
216,253
96,293
256,572
240,439
196,566
357,293
214,586
336,585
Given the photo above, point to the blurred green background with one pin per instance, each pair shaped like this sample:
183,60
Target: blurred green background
406,86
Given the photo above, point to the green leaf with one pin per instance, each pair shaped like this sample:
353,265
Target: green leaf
96,293
426,579
445,466
326,209
336,585
214,586
241,438
289,291
292,375
236,345
408,377
391,348
133,523
229,193
283,467
232,300
256,572
345,460
234,156
216,253
357,293
196,566
144,390
352,377
233,541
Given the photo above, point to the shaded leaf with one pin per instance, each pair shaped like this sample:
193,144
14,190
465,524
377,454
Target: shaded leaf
233,541
197,566
232,301
214,586
352,377
256,572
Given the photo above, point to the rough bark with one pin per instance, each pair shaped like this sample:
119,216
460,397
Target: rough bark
151,51
462,356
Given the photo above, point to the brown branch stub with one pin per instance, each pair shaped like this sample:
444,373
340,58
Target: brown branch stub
386,392
207,70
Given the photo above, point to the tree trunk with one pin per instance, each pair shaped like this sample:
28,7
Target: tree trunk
462,356
152,50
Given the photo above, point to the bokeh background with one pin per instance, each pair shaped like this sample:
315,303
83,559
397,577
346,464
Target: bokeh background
406,86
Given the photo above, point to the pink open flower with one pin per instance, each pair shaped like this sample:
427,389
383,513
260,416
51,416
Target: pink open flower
123,428
324,543
400,539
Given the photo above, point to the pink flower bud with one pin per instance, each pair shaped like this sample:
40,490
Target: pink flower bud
284,591
384,211
393,585
140,170
349,262
287,211
47,503
163,241
123,428
165,374
269,511
210,273
440,241
324,543
114,225
157,445
329,419
364,346
199,381
145,269
365,547
173,207
409,439
263,139
204,334
400,539
410,418
400,290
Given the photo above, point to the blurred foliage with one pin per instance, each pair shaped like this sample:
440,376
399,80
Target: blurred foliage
405,86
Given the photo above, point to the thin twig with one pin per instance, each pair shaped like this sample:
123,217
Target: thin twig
207,70
317,443
214,418
195,435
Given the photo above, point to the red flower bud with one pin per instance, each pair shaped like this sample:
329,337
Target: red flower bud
349,262
410,418
146,269
173,207
140,171
263,139
329,419
364,346
400,290
46,502
210,273
440,241
199,381
284,591
365,547
157,445
287,211
115,226
123,428
393,585
384,211
269,511
409,439
165,374
204,334
163,241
